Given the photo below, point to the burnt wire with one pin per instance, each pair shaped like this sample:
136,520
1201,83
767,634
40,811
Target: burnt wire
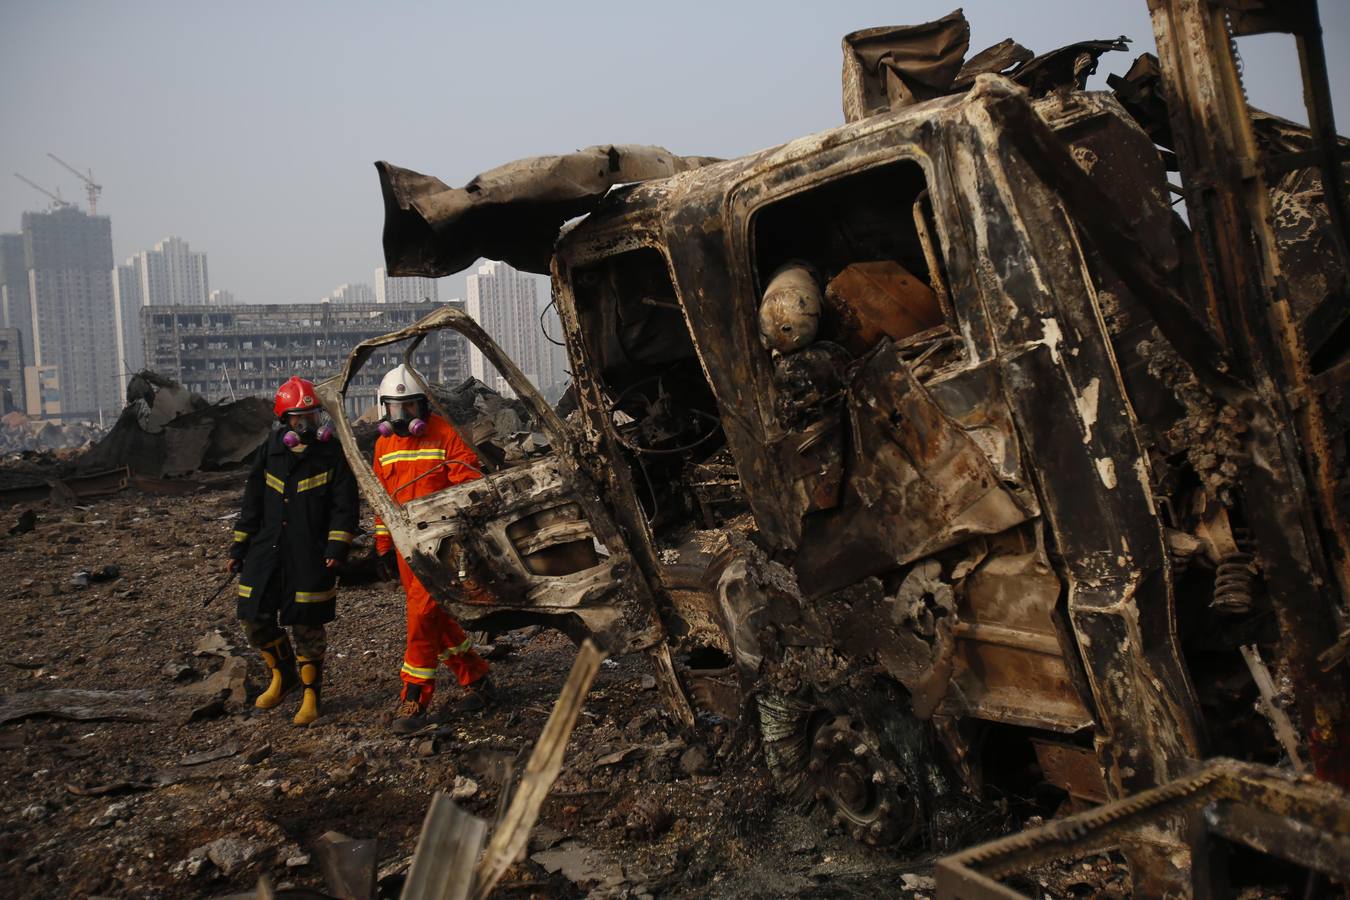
670,451
651,489
552,302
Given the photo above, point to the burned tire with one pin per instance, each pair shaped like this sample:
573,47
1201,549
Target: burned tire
822,752
860,790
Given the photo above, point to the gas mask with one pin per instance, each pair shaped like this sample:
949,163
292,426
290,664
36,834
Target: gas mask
304,428
402,422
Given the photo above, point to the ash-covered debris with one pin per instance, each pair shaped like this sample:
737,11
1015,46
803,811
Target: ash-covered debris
166,430
1209,432
20,434
500,427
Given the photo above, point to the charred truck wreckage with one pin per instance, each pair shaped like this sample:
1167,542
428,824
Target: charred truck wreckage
936,449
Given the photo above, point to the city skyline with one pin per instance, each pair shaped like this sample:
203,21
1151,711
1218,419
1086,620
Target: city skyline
74,327
281,188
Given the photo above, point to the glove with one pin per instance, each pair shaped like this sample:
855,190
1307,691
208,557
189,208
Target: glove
237,553
386,566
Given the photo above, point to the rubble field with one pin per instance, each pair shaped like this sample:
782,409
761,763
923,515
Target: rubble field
201,793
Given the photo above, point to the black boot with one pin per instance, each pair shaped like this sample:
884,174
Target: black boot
412,709
478,695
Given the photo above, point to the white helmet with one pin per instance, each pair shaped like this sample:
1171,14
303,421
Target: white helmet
400,383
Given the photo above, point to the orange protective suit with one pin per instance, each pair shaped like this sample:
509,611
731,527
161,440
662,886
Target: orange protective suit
411,467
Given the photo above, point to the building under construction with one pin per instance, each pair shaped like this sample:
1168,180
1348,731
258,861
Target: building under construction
235,351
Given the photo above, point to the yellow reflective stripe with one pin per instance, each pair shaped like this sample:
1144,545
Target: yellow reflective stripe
406,455
240,536
409,669
345,536
316,481
463,647
381,529
315,596
245,591
275,483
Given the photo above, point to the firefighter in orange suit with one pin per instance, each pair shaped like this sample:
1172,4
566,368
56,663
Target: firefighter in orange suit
417,454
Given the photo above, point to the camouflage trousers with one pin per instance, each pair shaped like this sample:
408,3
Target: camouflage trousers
310,640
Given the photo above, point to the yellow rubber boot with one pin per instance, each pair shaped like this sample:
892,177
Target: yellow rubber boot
280,658
311,676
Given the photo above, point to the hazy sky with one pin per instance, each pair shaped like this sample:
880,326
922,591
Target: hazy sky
249,128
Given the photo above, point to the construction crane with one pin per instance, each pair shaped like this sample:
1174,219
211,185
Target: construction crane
91,188
57,202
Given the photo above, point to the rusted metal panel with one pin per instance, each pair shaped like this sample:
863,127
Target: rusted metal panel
1075,769
1072,411
892,67
1014,665
879,299
917,484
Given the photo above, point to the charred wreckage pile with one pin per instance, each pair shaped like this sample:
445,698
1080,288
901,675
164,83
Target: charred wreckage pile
940,454
935,456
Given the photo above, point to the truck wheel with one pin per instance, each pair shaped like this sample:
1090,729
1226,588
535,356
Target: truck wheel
860,790
822,754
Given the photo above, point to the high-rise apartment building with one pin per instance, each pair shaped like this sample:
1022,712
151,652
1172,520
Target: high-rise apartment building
126,281
354,293
221,298
503,301
12,394
506,303
68,257
170,274
15,310
403,290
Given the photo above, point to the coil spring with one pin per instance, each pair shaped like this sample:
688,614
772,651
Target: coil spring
1235,577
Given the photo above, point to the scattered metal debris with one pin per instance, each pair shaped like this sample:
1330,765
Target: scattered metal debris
1295,819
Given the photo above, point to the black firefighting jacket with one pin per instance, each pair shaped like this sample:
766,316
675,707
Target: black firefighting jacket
299,509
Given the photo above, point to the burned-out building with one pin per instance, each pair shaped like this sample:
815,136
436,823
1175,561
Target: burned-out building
236,351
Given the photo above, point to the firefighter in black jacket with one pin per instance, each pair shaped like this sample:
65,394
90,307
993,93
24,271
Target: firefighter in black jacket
299,517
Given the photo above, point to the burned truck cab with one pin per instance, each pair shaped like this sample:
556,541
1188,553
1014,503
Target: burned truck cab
921,476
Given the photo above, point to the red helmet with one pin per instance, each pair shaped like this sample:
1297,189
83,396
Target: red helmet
296,395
